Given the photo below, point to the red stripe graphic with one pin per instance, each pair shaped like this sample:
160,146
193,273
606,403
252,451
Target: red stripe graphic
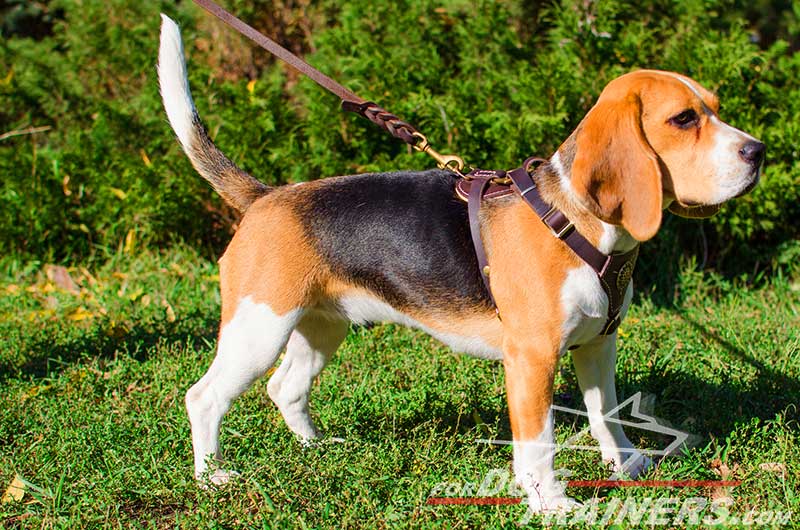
651,483
502,501
475,501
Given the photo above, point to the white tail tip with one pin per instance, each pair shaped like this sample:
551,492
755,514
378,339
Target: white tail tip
174,83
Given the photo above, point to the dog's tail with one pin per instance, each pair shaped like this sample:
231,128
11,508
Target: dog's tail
237,187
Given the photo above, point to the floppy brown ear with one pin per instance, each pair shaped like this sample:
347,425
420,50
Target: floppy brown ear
615,172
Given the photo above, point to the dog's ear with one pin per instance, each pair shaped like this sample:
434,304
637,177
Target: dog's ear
616,173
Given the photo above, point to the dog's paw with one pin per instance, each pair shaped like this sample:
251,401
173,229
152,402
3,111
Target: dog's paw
320,441
217,478
634,464
540,504
637,464
547,497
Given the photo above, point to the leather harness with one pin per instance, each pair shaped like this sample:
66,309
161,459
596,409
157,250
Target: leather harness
614,271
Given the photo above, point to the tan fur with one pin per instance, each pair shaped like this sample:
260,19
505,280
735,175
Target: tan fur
615,170
270,260
529,268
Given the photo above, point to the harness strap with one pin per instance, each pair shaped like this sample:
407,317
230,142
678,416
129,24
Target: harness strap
479,186
613,271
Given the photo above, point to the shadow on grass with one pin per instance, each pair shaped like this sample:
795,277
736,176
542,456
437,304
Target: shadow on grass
657,274
685,400
693,404
52,350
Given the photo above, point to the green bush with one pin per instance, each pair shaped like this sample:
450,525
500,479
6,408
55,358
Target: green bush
493,81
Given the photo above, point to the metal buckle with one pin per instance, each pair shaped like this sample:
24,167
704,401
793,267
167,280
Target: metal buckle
548,213
561,234
564,231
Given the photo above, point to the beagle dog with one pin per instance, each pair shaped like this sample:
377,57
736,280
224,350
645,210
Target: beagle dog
310,258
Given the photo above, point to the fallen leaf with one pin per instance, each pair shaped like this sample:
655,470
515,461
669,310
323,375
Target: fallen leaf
121,195
251,85
12,288
721,468
130,241
136,294
722,493
44,314
170,312
774,467
15,491
145,158
9,76
60,276
65,186
80,314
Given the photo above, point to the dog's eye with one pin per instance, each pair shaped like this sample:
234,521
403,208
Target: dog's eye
685,119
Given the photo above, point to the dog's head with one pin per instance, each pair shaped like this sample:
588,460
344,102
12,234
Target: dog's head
654,140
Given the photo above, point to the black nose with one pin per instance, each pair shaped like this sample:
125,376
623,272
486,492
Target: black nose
753,152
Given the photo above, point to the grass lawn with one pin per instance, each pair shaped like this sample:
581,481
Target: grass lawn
92,379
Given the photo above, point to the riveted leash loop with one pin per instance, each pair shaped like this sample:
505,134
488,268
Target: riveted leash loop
350,101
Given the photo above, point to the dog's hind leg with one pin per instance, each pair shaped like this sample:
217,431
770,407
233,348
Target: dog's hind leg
249,344
311,345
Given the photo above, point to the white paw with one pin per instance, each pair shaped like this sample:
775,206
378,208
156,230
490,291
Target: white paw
634,464
638,465
219,477
547,497
317,442
542,504
309,441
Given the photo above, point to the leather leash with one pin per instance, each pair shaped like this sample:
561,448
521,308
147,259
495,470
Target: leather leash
614,271
350,101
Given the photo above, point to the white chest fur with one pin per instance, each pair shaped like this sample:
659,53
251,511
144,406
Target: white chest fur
585,306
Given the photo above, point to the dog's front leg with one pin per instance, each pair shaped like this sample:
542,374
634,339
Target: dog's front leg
529,384
594,365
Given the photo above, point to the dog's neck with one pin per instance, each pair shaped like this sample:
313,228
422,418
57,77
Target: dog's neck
555,183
